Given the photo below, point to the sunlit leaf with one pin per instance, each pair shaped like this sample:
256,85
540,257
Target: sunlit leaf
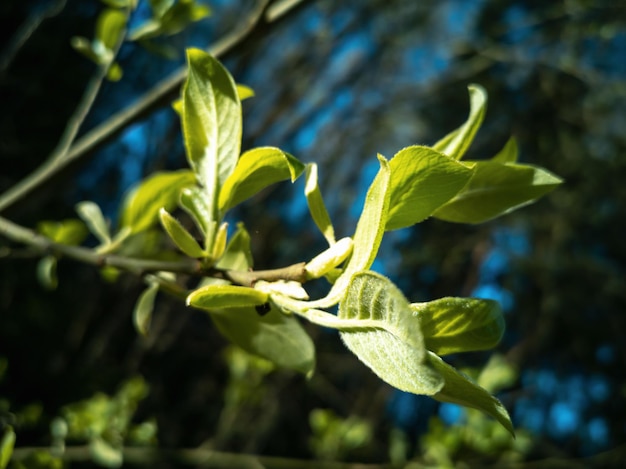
459,389
509,152
329,259
244,92
181,237
140,208
193,201
91,214
255,170
6,446
110,27
115,72
422,180
456,143
273,336
238,254
495,189
367,237
211,121
317,208
214,297
452,325
387,335
142,314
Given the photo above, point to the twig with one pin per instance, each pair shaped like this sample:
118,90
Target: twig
202,457
105,132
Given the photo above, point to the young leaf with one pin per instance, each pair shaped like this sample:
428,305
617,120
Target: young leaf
329,259
6,446
91,214
142,314
387,336
211,121
193,201
452,325
104,453
181,237
47,272
422,180
214,297
496,189
509,152
71,231
274,336
317,208
367,237
459,389
244,92
456,143
255,170
140,208
238,255
110,28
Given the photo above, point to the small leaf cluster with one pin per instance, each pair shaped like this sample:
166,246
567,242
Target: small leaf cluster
260,310
168,17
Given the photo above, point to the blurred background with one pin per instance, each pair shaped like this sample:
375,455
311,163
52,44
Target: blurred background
336,83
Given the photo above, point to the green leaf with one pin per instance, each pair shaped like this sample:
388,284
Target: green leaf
47,272
459,389
367,237
71,231
452,325
110,28
244,92
142,314
170,18
214,297
140,208
85,47
181,237
456,143
509,152
105,454
273,336
329,259
211,121
91,214
238,255
115,72
6,446
496,189
422,180
387,336
317,208
255,170
193,202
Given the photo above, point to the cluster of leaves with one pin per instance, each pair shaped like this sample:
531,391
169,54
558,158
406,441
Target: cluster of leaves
400,341
168,17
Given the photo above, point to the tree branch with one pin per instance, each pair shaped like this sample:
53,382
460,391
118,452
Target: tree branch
264,13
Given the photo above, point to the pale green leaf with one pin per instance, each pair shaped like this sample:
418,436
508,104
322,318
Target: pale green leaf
367,237
509,152
85,47
244,92
91,214
142,314
456,143
273,336
495,189
110,27
329,259
452,325
71,231
214,297
386,335
317,208
238,254
6,446
193,201
422,180
211,121
105,454
255,170
459,389
181,237
140,208
115,72
47,272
